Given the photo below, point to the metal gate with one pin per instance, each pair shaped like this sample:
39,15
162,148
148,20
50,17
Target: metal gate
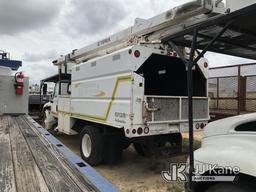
232,89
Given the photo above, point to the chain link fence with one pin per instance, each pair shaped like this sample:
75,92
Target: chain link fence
232,90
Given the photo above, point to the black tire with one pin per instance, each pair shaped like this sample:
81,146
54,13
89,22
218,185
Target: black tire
167,145
142,149
125,143
229,187
112,150
93,156
176,139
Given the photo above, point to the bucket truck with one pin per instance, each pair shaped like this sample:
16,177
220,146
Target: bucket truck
131,87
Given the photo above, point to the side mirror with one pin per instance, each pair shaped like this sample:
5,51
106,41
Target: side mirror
51,98
45,89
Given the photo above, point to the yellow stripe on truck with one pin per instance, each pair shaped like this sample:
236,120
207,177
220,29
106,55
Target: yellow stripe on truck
121,79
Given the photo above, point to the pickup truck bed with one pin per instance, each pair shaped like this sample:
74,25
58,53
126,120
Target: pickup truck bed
33,160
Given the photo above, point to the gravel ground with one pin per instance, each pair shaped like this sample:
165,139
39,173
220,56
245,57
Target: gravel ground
136,173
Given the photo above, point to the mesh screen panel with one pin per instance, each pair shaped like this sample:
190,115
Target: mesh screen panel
231,91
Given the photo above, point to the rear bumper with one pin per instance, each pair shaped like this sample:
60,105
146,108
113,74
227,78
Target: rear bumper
163,128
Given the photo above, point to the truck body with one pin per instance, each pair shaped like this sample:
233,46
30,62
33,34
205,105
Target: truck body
140,91
132,87
121,90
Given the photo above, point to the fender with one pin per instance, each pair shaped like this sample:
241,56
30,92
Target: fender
228,150
47,106
49,120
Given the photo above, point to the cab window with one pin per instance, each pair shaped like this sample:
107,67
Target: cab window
65,89
56,90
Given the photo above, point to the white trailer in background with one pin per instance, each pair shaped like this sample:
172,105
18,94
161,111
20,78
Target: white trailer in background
132,88
13,94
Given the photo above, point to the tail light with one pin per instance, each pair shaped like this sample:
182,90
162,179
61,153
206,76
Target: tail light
140,131
137,53
202,125
146,130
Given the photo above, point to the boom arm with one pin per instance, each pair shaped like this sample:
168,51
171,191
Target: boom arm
155,29
140,32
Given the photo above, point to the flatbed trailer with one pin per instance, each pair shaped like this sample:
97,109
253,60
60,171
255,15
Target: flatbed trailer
31,159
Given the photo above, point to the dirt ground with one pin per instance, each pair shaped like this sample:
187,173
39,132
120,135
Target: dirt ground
136,173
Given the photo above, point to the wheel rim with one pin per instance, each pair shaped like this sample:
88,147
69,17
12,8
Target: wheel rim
86,145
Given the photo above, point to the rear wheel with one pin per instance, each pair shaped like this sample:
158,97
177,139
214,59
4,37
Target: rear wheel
112,150
125,143
176,142
91,145
229,187
143,149
160,145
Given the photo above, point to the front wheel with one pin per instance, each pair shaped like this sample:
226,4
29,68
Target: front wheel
91,145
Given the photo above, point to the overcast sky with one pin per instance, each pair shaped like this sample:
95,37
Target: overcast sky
38,31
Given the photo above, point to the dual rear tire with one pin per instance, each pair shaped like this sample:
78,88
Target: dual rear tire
160,145
95,148
91,145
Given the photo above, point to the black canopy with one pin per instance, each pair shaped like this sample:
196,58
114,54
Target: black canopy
238,40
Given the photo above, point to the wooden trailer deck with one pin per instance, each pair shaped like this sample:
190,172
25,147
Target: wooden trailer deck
30,162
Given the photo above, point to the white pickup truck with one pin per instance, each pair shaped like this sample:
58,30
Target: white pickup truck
227,143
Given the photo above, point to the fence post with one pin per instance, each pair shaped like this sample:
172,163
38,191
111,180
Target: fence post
241,92
218,92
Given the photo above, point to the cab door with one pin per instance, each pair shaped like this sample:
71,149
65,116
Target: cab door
55,98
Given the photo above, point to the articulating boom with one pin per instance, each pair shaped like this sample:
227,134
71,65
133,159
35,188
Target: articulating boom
156,29
149,31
